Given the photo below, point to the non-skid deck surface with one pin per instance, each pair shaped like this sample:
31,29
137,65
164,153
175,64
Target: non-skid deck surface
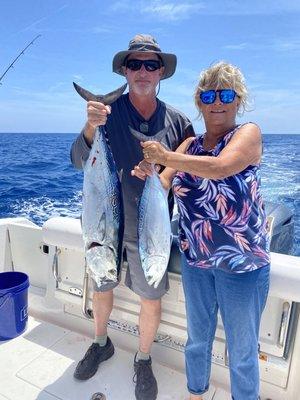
40,364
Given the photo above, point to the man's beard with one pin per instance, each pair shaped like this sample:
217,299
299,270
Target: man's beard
142,91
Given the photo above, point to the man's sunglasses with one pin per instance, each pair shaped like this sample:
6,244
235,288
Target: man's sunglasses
226,96
150,65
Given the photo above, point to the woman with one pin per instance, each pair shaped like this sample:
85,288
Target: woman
222,229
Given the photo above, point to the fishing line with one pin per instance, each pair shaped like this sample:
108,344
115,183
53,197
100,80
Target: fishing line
18,56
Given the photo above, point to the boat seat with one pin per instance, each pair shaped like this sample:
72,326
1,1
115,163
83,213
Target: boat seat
65,232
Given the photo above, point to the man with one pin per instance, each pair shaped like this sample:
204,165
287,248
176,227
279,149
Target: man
143,65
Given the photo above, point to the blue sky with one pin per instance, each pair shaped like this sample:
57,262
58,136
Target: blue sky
79,39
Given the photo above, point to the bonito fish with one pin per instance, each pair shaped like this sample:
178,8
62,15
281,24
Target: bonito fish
102,214
154,227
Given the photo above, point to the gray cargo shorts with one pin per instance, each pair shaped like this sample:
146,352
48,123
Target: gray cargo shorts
135,278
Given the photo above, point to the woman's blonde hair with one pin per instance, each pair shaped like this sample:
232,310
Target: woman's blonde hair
222,75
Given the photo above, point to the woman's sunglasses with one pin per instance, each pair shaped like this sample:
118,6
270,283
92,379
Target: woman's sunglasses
226,96
150,65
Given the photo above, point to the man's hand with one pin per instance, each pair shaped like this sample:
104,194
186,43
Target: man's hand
143,170
96,116
97,113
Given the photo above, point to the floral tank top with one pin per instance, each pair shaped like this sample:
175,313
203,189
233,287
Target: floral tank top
222,222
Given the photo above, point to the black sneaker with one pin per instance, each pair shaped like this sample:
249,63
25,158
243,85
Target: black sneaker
87,367
146,385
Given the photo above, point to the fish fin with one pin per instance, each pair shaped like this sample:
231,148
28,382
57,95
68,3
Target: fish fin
102,221
85,94
154,280
93,244
106,99
150,280
161,134
144,138
111,97
138,135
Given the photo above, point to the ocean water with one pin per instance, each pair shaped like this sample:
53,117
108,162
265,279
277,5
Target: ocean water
37,180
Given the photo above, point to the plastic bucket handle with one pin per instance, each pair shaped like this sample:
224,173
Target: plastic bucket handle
4,298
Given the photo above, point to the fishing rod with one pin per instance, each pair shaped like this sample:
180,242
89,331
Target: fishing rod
18,56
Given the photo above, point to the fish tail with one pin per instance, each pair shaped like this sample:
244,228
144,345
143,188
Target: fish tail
144,138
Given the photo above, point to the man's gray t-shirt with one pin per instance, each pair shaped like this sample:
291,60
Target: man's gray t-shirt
127,151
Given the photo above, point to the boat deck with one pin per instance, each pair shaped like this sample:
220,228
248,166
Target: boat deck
39,365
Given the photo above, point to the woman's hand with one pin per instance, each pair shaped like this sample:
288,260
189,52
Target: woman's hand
154,152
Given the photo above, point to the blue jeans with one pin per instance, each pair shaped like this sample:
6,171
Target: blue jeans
241,298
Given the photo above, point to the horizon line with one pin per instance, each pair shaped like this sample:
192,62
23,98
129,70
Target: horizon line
74,133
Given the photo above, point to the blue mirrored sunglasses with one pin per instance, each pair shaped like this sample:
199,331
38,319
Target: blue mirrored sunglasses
226,96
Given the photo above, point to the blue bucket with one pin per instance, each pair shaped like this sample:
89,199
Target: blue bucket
13,304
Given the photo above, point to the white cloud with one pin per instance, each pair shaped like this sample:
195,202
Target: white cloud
276,118
255,7
103,29
291,45
272,97
77,77
176,10
263,44
124,5
58,87
239,46
171,10
160,9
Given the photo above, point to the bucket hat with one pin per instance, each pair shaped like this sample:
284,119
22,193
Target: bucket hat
142,43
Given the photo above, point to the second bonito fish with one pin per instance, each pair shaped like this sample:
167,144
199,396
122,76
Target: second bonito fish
154,227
